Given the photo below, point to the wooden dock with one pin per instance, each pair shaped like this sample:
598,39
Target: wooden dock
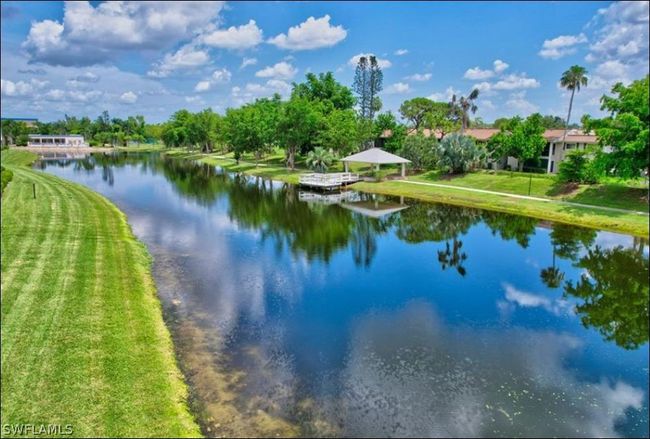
328,181
327,197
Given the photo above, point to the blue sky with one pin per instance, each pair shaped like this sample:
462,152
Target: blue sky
155,58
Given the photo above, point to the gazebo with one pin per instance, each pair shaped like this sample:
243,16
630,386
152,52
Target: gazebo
376,156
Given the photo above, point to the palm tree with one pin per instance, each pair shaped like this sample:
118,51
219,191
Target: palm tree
572,80
463,106
552,276
320,159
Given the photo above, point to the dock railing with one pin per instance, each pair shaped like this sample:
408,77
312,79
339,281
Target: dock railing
328,180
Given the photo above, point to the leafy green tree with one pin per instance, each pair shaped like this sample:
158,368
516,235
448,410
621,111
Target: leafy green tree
553,122
578,167
339,132
625,130
479,123
14,132
425,113
440,119
501,122
298,126
253,127
388,122
368,82
420,150
458,154
320,159
153,132
325,88
522,139
462,107
416,111
176,133
614,295
203,129
573,79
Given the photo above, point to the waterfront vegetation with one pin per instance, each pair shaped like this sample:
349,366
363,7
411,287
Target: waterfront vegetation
615,193
83,339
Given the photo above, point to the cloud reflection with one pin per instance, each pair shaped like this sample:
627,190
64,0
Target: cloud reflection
409,374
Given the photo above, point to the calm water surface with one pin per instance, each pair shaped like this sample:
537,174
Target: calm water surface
373,316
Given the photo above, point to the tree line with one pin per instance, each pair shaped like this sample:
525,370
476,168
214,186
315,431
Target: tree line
324,119
103,131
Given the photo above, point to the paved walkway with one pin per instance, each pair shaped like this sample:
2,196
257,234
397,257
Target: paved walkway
524,197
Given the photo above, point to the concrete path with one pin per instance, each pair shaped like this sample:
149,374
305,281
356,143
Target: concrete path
524,197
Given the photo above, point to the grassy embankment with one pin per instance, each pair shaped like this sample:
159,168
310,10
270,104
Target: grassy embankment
613,194
83,338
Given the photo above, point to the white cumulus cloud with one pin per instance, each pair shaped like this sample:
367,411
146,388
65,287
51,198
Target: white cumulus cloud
500,66
444,96
311,34
624,33
129,97
92,34
518,102
476,73
561,46
281,70
245,62
419,77
398,88
234,38
219,76
186,58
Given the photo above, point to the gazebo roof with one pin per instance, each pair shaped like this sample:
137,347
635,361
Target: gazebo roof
374,210
375,156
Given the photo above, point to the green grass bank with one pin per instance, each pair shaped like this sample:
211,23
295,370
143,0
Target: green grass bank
83,338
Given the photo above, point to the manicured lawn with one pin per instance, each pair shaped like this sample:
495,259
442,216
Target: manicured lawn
618,195
540,186
613,195
83,338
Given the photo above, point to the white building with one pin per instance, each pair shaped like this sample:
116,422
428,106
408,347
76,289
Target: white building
558,147
56,141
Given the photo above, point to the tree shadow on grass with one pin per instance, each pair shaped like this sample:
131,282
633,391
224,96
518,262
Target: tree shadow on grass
618,196
564,189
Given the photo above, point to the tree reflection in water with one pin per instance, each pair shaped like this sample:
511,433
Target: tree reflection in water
614,294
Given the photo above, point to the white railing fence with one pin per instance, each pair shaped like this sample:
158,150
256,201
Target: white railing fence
333,179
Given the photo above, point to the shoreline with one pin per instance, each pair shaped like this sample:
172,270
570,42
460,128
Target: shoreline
626,222
104,313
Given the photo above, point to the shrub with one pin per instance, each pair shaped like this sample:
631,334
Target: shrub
578,167
22,140
421,151
458,154
320,159
5,175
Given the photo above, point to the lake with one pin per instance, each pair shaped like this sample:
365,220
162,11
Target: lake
297,313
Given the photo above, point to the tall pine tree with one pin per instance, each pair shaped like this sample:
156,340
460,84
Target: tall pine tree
368,82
